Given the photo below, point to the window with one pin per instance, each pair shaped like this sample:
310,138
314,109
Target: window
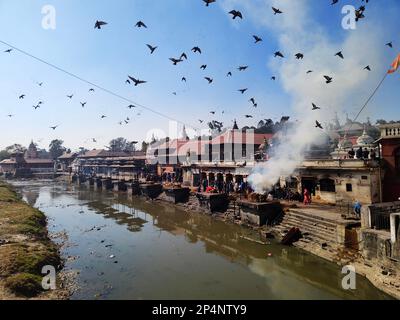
349,187
327,185
364,178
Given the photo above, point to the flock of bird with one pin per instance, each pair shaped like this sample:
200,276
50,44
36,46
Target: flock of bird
236,15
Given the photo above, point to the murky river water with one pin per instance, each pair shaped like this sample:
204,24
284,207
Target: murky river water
132,249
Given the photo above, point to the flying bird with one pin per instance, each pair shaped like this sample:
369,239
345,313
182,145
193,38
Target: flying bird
71,96
257,39
309,71
22,96
278,54
273,78
36,107
339,54
140,24
99,24
83,104
40,84
242,91
91,90
242,68
103,117
131,106
196,49
183,79
183,56
229,74
152,49
253,101
314,107
236,14
299,56
367,68
360,13
175,61
318,125
389,44
276,11
209,79
208,2
248,116
328,79
55,127
136,81
204,67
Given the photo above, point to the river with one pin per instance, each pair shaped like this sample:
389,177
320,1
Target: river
126,248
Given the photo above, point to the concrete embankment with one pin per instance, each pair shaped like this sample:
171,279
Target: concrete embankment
25,248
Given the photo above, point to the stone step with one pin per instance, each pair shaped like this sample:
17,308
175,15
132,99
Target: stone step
310,225
312,218
312,233
305,224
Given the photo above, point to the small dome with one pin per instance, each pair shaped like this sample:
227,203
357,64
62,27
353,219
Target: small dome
345,143
365,139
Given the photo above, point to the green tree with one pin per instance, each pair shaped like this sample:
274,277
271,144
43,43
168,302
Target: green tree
56,148
15,148
145,146
122,145
4,155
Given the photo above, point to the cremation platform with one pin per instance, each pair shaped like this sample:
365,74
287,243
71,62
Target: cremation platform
213,202
259,214
177,195
134,189
151,191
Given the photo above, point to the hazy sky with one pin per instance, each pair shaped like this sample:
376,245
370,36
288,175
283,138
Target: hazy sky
107,56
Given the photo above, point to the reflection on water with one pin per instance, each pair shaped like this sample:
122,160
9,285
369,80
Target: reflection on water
133,249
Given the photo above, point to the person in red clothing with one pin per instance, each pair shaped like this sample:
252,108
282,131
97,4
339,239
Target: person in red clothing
307,197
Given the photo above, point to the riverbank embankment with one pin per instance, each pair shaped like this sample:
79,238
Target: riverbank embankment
25,248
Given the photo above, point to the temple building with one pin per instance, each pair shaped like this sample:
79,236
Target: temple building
28,164
342,179
390,150
108,164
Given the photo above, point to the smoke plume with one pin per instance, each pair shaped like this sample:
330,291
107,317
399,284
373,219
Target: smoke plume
298,32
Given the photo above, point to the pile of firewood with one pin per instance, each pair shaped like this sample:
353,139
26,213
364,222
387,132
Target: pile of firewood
257,197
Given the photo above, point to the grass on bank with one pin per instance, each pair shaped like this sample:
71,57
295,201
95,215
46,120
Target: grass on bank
24,245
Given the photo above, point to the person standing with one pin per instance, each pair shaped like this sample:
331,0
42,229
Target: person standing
373,154
365,154
307,197
357,209
352,154
359,153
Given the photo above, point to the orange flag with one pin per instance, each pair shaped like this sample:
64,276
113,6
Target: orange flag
395,65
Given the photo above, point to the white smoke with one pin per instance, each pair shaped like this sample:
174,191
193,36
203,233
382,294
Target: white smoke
298,32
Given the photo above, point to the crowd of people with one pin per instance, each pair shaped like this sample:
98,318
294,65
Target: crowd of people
227,187
362,154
